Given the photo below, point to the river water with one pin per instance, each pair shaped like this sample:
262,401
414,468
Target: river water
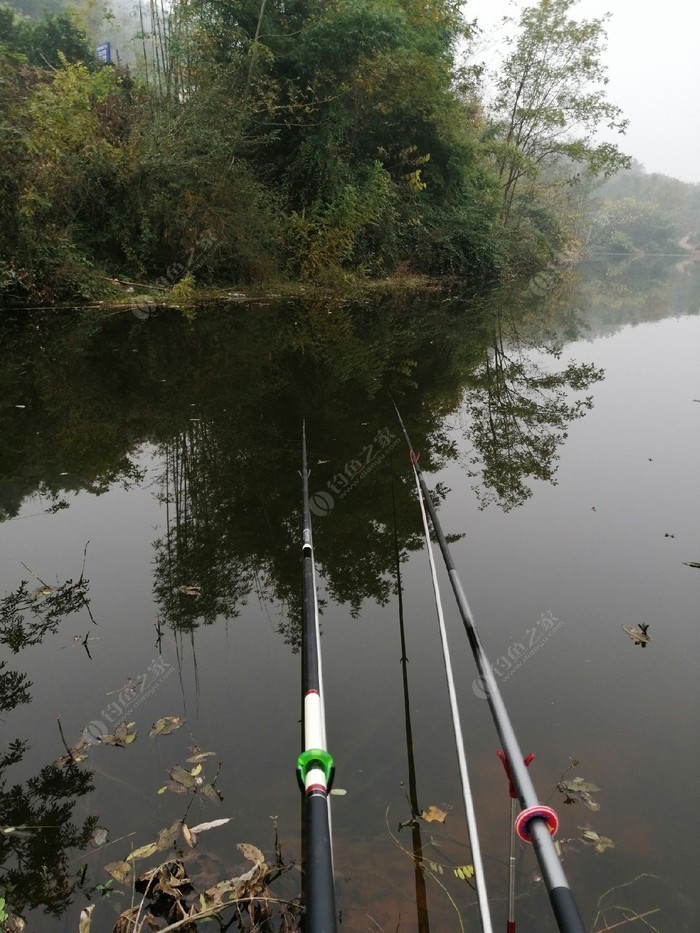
150,501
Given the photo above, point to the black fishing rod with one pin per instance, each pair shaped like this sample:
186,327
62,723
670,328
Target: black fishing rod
314,765
419,874
536,823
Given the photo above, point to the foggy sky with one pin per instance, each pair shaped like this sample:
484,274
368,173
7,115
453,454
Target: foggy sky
653,62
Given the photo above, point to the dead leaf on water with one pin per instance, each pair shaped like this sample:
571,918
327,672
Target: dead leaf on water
212,824
124,734
191,589
165,725
579,789
85,919
99,836
190,837
142,852
591,838
211,793
251,852
120,871
77,752
201,756
167,836
181,781
639,634
433,814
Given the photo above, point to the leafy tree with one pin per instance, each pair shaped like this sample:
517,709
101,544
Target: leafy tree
54,38
551,101
45,42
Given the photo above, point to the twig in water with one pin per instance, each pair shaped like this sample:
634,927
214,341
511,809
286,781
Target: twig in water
424,868
63,738
623,923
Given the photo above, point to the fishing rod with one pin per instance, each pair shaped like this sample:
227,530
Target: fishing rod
536,823
315,764
418,872
479,877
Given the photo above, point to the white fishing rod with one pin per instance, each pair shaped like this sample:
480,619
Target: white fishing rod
315,764
479,877
536,822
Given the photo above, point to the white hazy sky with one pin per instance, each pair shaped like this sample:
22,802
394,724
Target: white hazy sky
653,61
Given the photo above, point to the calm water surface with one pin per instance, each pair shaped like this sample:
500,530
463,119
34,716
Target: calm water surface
562,434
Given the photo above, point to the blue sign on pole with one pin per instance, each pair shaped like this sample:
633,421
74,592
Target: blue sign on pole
104,53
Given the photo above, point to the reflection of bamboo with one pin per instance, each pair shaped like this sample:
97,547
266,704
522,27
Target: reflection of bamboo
421,898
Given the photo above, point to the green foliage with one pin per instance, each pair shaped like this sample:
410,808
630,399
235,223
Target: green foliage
327,238
550,101
313,140
45,42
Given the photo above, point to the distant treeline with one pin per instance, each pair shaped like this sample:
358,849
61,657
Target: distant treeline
262,140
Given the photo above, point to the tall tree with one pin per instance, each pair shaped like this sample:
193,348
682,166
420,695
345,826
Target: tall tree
551,100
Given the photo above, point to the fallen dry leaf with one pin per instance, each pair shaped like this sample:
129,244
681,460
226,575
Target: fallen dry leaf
433,814
142,852
165,725
120,871
166,837
85,919
212,824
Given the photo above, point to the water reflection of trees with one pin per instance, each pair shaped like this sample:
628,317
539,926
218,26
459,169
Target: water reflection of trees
36,815
519,411
221,397
199,572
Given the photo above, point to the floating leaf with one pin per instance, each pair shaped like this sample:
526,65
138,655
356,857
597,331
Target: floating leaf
212,824
579,789
162,790
201,756
77,752
142,852
579,784
191,590
197,770
464,872
211,793
638,635
433,814
181,781
167,836
592,838
124,734
338,792
251,852
120,871
165,725
85,919
190,837
99,836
